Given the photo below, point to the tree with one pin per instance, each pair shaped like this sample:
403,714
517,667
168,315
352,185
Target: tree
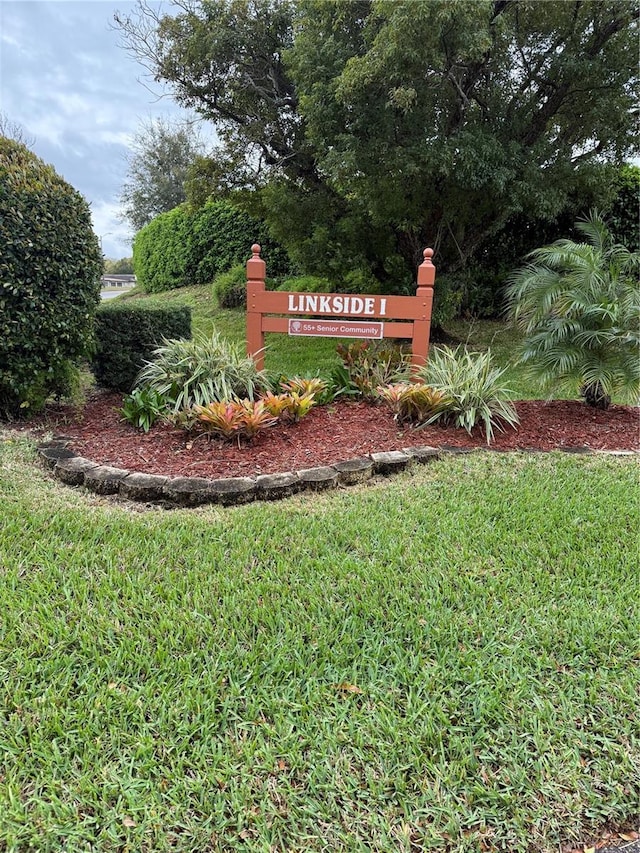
122,267
579,306
50,265
159,162
375,127
13,130
623,215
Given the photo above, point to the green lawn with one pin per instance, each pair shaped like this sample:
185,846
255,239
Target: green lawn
443,661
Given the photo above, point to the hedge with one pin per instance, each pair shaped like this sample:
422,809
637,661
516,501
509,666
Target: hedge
127,335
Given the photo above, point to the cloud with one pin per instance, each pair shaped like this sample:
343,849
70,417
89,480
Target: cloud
67,82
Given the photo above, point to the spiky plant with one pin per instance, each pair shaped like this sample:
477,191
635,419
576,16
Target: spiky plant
200,371
302,385
579,307
472,390
413,402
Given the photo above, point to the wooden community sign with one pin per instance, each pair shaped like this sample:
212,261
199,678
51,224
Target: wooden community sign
368,316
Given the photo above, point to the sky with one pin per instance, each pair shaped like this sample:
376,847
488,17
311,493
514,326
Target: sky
79,97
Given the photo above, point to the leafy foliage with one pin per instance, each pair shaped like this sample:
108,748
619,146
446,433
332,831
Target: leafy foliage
579,306
159,160
186,246
298,405
230,287
340,384
223,418
299,395
160,252
127,335
307,284
370,364
50,266
220,235
372,129
143,407
414,402
622,216
313,385
201,371
472,388
275,404
235,419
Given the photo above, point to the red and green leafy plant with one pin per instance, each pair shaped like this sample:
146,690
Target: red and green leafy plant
370,364
255,417
236,419
302,385
299,405
414,402
292,406
221,418
299,395
275,404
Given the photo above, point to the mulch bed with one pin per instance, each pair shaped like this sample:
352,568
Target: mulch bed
334,433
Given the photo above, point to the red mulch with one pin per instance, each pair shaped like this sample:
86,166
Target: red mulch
342,430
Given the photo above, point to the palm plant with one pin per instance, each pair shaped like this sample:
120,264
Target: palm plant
579,307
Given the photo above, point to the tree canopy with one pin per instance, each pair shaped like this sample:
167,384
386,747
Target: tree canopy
369,129
159,162
123,266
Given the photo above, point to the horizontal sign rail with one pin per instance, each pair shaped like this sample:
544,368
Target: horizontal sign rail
338,305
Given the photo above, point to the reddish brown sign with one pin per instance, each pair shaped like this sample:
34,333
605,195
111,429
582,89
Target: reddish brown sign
265,310
335,329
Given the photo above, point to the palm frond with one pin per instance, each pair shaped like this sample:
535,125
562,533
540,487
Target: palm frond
579,306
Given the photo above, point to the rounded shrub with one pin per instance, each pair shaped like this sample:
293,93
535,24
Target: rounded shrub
230,287
221,236
185,247
160,251
50,266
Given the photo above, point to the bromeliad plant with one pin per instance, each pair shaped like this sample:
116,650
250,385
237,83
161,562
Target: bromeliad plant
414,402
234,420
275,404
472,388
298,405
301,385
298,397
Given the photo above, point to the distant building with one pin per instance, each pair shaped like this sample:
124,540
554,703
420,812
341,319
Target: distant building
117,281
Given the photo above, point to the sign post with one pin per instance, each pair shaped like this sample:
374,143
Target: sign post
342,315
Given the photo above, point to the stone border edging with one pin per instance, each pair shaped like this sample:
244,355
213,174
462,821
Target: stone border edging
75,470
